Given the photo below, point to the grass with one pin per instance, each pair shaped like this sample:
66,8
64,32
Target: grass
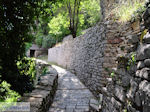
126,10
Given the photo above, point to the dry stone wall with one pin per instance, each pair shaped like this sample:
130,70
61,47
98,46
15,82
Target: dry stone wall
93,56
82,55
42,96
100,59
128,88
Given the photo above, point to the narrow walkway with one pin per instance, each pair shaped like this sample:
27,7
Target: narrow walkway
72,95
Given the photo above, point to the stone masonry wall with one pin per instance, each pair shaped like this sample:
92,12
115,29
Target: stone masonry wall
82,56
100,58
92,56
42,96
128,87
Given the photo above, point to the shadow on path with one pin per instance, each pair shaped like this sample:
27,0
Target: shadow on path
72,95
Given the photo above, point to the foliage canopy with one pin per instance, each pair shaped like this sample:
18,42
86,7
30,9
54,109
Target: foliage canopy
58,24
16,19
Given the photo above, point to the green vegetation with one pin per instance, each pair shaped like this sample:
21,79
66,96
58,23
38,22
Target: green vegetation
45,70
27,46
59,26
129,9
27,67
52,30
142,35
44,22
17,25
91,12
125,110
6,94
112,74
132,60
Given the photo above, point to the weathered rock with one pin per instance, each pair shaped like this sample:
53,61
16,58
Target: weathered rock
132,69
94,105
140,65
34,109
126,80
35,102
143,52
146,13
47,80
43,87
116,103
146,38
131,109
146,108
144,73
121,72
52,70
137,99
38,93
147,62
119,93
132,89
41,97
145,86
132,39
146,17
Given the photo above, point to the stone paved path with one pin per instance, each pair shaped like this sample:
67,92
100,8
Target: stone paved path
72,95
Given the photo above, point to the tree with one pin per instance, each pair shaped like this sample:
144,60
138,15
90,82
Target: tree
73,7
16,19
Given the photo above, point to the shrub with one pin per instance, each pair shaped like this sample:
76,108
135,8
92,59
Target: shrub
27,67
6,94
16,19
48,41
39,40
27,73
27,46
44,71
132,60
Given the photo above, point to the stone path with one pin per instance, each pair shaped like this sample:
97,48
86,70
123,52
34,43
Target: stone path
72,95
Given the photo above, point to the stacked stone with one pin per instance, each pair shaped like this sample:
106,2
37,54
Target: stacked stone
129,90
143,74
83,56
42,96
92,54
